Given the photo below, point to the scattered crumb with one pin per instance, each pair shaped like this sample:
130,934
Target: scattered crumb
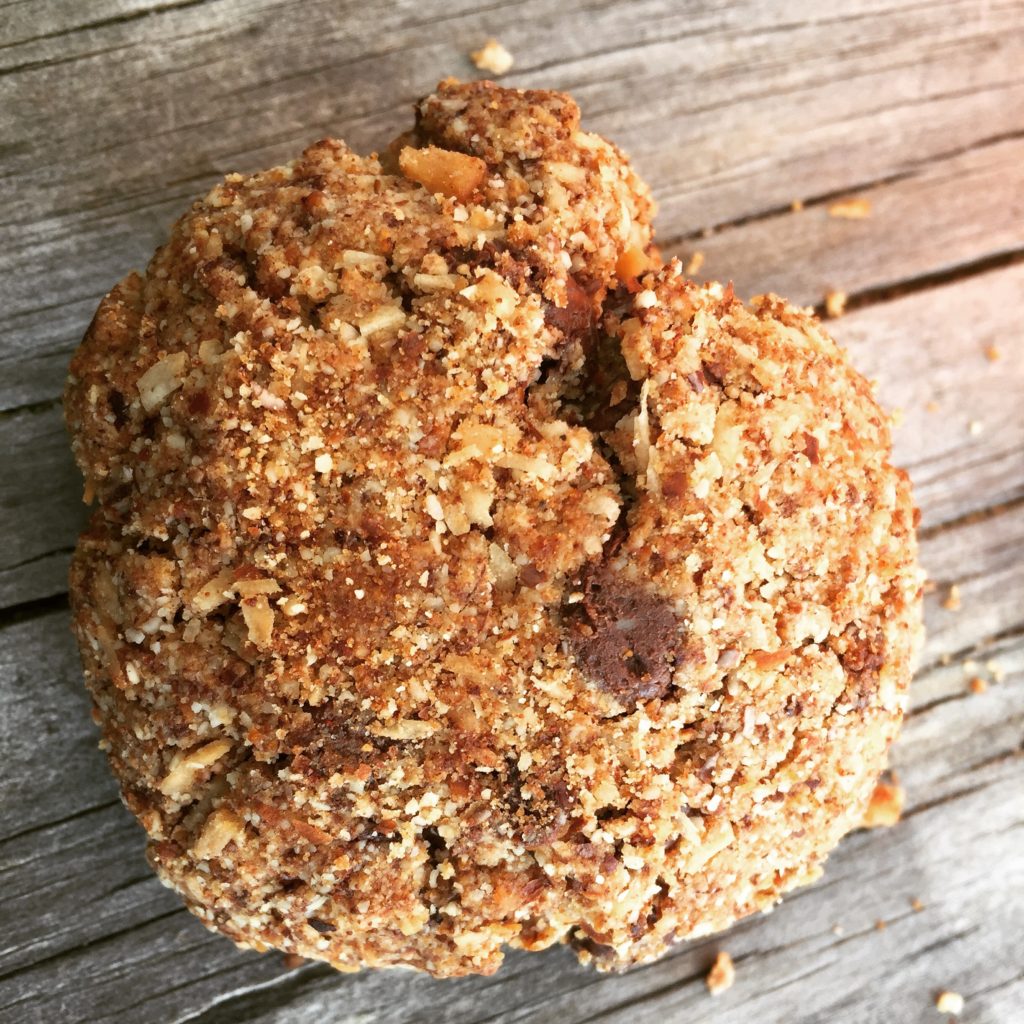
916,905
975,427
797,205
696,262
996,671
292,960
993,353
977,685
932,406
838,929
929,586
722,974
946,658
952,602
950,1002
885,806
835,303
897,417
855,208
880,925
970,667
493,57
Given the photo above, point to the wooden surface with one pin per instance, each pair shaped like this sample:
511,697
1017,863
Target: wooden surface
113,113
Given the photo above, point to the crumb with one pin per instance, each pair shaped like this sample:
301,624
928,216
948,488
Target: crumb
835,303
722,974
950,1002
929,586
897,417
970,667
977,685
916,905
797,205
696,262
995,670
946,658
952,602
932,406
493,57
885,806
975,427
850,209
993,353
291,961
838,929
881,925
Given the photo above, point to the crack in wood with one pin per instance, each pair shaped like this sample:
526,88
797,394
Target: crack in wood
27,610
120,19
57,822
898,289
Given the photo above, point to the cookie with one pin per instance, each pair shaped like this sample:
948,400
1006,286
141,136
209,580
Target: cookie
461,576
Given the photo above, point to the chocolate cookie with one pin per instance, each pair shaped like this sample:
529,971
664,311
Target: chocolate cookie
461,576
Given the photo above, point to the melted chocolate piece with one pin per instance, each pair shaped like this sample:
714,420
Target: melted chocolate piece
626,639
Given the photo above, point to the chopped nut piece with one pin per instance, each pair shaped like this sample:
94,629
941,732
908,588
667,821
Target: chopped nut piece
950,1002
259,620
885,806
631,264
855,208
443,170
493,57
835,303
162,379
952,602
722,974
222,828
695,263
187,764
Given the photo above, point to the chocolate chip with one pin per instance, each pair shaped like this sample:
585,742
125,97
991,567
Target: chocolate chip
530,576
811,447
626,638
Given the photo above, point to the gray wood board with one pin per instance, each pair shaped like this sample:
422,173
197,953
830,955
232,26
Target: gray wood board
114,113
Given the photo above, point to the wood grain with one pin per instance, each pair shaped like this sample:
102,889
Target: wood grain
114,113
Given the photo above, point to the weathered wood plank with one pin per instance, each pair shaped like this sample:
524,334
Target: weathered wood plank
945,214
42,512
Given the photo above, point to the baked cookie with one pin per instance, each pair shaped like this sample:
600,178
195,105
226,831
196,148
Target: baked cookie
463,577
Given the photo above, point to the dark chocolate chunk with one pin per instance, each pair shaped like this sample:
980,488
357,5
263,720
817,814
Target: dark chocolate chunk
626,638
321,926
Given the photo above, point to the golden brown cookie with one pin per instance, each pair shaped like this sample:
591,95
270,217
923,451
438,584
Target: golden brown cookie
463,577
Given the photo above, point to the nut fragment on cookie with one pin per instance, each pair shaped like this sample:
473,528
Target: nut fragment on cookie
722,974
443,170
493,57
885,806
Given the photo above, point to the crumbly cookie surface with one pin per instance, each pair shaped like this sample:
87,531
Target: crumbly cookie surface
463,577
